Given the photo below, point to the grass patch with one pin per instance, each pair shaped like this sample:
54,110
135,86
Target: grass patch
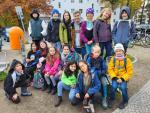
3,75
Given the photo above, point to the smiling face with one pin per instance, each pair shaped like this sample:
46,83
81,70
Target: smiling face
119,52
73,67
83,67
77,17
42,45
124,15
89,16
106,15
52,51
66,50
55,16
66,16
34,47
18,68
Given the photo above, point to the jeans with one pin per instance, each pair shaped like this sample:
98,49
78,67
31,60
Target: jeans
123,88
88,48
104,86
57,45
81,51
61,86
108,47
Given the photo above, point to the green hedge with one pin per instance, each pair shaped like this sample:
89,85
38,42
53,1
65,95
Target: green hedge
2,75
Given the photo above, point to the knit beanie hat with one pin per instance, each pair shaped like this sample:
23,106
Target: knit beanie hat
90,10
55,11
119,46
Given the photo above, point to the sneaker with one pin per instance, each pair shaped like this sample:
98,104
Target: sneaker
104,103
122,105
26,94
110,103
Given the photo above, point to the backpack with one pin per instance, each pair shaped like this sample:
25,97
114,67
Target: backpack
38,81
125,62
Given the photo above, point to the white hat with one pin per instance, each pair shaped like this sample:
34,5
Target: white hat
119,46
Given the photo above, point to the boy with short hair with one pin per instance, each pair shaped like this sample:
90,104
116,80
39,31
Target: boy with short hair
120,70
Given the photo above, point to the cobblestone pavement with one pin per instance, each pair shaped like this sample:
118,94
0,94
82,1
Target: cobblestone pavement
138,103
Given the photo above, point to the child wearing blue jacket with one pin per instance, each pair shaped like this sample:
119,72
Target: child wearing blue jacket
87,85
97,64
124,29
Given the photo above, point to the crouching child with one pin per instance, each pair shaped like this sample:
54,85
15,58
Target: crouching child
16,78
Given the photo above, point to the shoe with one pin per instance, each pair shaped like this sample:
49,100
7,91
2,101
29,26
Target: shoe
104,103
110,103
26,94
54,91
58,101
122,105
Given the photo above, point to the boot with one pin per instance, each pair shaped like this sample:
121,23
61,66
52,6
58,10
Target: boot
25,92
54,91
44,87
58,101
104,103
49,89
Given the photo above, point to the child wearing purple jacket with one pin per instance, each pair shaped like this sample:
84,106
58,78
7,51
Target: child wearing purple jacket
102,32
86,30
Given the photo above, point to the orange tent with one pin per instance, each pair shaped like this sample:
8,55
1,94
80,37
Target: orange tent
16,37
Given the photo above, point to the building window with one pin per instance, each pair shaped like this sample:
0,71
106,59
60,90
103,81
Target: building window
81,10
59,4
92,5
114,12
72,1
114,20
72,10
80,1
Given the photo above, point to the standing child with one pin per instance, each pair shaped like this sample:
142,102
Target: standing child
98,65
16,78
124,29
120,70
86,31
53,29
68,81
88,85
51,69
102,32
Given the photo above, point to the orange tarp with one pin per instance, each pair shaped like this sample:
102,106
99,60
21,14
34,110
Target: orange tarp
16,34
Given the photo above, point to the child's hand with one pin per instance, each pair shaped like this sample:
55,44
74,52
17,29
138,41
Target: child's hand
15,96
119,81
86,96
27,60
78,95
47,75
90,42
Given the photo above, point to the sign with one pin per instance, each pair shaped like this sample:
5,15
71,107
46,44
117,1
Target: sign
19,12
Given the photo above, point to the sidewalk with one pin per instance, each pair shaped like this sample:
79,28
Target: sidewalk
138,103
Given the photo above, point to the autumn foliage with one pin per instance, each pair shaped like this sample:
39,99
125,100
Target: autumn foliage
8,16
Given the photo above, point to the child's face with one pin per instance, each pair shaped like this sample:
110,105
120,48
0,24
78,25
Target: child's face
89,16
18,68
124,15
95,53
66,16
33,47
66,50
42,45
73,67
55,16
52,51
35,15
106,15
83,67
119,52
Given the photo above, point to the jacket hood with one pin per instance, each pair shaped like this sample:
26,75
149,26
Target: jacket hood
13,65
125,8
34,11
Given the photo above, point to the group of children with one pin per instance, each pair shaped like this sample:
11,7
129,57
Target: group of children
61,66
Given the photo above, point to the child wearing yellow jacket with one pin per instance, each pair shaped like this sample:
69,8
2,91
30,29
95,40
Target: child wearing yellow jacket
120,70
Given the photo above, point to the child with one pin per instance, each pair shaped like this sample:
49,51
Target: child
86,31
51,69
32,60
124,29
68,81
66,30
120,70
102,32
16,78
88,85
37,27
98,65
53,29
67,55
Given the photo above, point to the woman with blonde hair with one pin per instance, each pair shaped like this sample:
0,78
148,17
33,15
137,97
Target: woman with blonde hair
102,32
